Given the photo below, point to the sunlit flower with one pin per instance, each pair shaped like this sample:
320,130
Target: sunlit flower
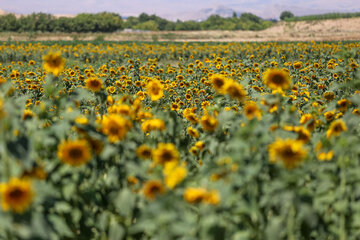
16,195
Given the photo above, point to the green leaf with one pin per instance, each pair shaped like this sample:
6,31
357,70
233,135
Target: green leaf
19,148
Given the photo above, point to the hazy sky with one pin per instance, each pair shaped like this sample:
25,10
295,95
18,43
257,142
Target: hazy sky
168,8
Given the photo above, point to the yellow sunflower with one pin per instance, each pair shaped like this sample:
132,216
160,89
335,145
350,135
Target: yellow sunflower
115,127
155,89
94,84
336,127
75,153
251,110
289,151
276,79
236,90
53,63
152,188
16,195
153,124
209,123
144,151
219,82
164,153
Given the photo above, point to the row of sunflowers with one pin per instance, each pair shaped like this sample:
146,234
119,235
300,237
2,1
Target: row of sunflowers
179,141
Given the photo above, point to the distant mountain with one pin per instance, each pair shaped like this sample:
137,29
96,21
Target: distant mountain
2,12
203,14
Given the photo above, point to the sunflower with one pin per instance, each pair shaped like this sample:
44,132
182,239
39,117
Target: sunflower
94,84
195,195
219,82
144,151
289,151
16,195
155,89
165,152
153,124
209,123
236,90
53,63
75,153
152,188
251,110
193,132
115,127
336,127
276,79
174,174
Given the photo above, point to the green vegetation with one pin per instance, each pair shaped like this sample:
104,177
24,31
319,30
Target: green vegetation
286,14
322,16
111,22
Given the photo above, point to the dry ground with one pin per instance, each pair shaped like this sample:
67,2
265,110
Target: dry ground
324,30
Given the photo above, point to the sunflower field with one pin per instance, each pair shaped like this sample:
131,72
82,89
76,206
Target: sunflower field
180,141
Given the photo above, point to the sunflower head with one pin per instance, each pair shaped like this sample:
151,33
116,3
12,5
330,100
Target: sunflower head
209,123
164,153
155,89
16,195
152,188
276,79
336,127
74,153
289,152
53,63
94,84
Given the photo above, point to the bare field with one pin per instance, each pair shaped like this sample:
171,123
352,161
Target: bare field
322,30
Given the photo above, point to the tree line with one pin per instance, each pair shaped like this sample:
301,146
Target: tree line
111,22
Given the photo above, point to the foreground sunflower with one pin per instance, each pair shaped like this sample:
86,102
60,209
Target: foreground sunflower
276,79
16,195
53,63
289,151
155,89
94,84
219,82
236,90
115,127
75,153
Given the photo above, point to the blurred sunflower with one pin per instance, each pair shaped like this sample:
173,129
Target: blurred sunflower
235,90
75,153
251,110
164,153
144,151
16,195
276,79
155,89
53,63
152,188
209,123
289,151
94,84
115,127
336,127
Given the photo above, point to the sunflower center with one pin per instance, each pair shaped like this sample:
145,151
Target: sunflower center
75,153
16,193
166,156
288,153
113,130
278,79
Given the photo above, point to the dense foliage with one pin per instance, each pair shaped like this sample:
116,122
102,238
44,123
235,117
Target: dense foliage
180,141
322,16
111,22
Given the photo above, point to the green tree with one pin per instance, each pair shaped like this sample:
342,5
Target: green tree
286,14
